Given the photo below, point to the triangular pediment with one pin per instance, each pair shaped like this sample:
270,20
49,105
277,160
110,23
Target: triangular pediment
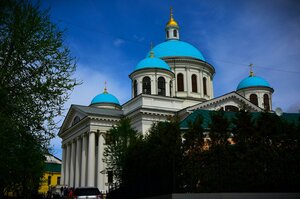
77,113
69,120
230,99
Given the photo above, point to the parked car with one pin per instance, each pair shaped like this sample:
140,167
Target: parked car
87,193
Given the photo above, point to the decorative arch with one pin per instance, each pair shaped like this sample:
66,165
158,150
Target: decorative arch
147,85
75,120
266,102
161,86
231,108
180,85
194,83
254,99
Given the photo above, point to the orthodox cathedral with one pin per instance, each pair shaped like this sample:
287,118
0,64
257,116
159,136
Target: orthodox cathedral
173,79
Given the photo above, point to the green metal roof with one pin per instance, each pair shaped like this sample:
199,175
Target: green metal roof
52,167
206,115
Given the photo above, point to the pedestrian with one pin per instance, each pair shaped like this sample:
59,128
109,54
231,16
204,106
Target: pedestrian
61,191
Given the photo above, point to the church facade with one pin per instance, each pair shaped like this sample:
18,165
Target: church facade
173,79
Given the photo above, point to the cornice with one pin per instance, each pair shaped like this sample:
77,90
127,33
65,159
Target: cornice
228,96
171,60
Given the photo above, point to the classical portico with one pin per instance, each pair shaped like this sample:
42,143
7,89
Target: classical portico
83,146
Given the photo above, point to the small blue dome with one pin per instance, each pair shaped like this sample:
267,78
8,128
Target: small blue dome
252,81
173,48
105,98
152,62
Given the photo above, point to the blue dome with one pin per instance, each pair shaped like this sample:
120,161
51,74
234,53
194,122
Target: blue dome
252,81
152,62
105,98
173,48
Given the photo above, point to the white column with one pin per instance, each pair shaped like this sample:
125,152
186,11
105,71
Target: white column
83,161
78,161
139,86
63,166
212,88
201,84
100,164
67,179
188,82
72,164
167,86
153,85
91,160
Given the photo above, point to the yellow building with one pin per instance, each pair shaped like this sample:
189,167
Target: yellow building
52,174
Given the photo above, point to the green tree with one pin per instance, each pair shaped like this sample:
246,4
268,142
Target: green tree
36,71
193,155
153,164
119,139
218,159
164,156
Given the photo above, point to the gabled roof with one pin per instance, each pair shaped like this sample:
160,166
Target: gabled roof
52,163
52,159
228,96
88,111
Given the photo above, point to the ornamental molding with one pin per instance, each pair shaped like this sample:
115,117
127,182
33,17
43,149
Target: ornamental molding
150,71
103,118
83,123
174,60
227,97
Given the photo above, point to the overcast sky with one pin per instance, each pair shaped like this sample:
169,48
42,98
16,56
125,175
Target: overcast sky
109,38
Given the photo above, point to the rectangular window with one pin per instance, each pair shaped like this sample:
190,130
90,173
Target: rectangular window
58,180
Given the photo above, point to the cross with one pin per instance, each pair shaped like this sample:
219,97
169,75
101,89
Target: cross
251,70
105,89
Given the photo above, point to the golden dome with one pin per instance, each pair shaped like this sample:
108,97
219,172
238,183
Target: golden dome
172,22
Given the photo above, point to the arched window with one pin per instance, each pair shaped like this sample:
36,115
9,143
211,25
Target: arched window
231,108
168,34
146,85
194,83
171,85
180,86
253,99
266,102
75,120
134,88
204,86
175,33
161,87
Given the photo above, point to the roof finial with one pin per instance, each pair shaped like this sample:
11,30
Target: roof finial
105,89
171,12
251,70
151,51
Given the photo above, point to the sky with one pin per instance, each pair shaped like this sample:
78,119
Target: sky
109,37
